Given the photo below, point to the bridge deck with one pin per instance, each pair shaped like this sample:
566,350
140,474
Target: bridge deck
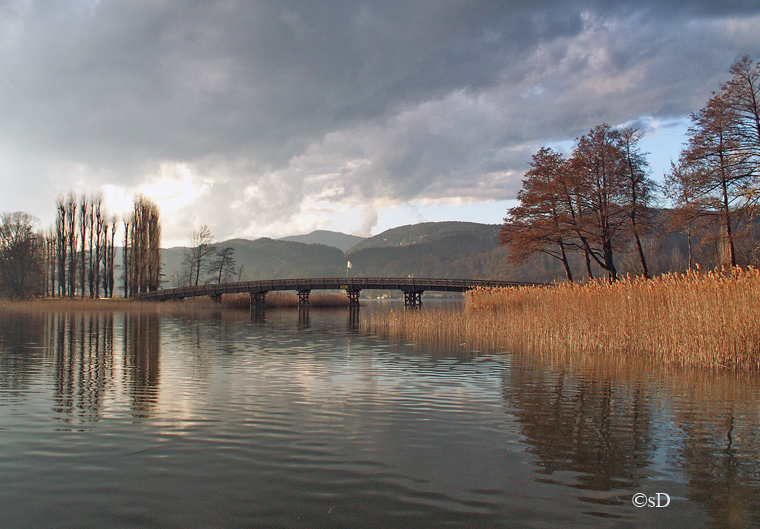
350,284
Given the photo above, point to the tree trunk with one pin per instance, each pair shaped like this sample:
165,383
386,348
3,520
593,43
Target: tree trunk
640,249
588,264
568,272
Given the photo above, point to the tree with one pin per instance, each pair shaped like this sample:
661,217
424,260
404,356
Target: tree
71,216
689,208
127,258
639,189
718,173
597,168
110,257
98,228
21,258
742,95
142,248
540,223
84,228
223,266
201,249
61,240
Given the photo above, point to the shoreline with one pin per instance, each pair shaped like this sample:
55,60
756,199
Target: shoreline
699,319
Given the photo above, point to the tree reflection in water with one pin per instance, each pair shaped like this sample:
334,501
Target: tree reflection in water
142,353
79,348
82,347
591,434
602,430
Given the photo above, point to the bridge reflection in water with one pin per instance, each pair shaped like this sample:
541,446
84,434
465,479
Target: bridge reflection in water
413,288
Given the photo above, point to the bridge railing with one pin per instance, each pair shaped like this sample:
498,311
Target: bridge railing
329,283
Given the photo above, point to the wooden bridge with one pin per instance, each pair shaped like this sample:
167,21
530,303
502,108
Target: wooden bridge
411,287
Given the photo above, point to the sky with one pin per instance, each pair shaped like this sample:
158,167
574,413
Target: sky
276,118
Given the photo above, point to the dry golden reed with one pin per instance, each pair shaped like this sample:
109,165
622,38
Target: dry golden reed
698,319
286,300
229,301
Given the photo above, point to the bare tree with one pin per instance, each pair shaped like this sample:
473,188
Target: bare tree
127,258
142,247
98,228
84,228
71,216
61,239
223,265
200,250
110,257
21,261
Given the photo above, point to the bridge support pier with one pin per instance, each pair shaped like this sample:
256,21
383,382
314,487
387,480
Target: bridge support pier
303,297
216,298
413,298
353,298
258,301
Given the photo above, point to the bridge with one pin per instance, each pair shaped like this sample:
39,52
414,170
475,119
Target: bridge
411,287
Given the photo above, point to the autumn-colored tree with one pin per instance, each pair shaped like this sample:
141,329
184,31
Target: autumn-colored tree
689,208
717,171
540,223
598,185
742,95
639,189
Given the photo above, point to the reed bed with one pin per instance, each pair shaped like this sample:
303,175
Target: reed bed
86,304
698,319
286,300
229,301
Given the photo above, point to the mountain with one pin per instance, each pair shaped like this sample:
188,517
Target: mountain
335,239
432,249
427,232
266,259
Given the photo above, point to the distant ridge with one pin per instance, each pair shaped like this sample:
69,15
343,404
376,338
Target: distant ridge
341,241
461,250
427,233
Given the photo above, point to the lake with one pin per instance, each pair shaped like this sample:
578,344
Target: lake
224,420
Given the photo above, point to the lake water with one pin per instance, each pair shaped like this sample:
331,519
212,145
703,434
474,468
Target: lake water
220,420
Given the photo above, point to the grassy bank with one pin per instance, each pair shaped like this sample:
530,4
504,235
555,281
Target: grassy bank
229,301
86,304
698,319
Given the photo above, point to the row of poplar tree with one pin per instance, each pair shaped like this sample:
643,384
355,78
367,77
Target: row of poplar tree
76,257
600,200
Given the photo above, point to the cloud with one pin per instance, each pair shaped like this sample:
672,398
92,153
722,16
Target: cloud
261,117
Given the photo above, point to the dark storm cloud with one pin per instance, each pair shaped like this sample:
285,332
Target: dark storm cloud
271,104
